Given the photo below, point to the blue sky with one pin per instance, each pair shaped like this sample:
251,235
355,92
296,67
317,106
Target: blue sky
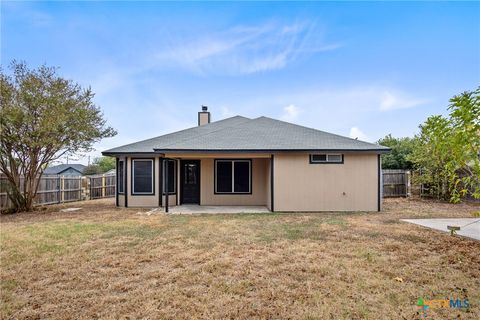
357,69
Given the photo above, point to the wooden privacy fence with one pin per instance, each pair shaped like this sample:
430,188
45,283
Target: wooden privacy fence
396,183
60,189
102,186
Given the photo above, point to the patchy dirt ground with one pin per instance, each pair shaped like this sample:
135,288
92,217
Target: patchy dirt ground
109,263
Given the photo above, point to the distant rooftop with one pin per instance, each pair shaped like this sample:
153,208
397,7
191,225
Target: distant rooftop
58,169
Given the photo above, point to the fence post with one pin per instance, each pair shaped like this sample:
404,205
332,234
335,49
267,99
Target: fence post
408,183
79,181
58,189
62,188
89,187
82,189
103,186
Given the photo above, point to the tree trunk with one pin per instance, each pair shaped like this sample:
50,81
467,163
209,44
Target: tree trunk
22,200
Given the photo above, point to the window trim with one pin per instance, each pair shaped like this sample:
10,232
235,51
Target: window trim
122,162
233,176
175,173
132,180
326,162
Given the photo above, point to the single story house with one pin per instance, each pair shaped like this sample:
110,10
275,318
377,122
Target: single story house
73,169
259,162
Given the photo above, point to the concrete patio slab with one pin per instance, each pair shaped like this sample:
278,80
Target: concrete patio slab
469,227
195,209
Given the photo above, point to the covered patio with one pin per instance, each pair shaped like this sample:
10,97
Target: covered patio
198,209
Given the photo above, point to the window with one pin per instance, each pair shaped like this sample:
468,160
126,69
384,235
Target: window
190,174
233,176
319,157
241,173
121,176
142,176
326,158
224,176
169,167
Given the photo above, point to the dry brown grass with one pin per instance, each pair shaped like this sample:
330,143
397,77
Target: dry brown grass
103,262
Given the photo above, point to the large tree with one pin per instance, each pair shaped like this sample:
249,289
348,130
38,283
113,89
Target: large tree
100,165
105,163
43,117
398,158
448,148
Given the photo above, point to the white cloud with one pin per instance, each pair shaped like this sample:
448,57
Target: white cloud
345,104
356,133
290,112
227,113
332,109
392,101
245,49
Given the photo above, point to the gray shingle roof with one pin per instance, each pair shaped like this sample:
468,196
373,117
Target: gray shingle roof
62,167
243,134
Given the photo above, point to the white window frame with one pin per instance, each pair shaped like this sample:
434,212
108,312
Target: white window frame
249,161
327,156
133,177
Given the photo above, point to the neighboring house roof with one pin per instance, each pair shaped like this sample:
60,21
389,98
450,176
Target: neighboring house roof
111,171
243,134
58,169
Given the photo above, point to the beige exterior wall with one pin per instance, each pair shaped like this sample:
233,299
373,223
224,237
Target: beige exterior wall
268,193
301,186
298,185
259,186
121,200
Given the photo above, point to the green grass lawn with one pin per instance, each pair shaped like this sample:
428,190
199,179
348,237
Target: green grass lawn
103,262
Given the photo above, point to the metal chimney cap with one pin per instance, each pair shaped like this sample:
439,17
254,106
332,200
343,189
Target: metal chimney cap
204,108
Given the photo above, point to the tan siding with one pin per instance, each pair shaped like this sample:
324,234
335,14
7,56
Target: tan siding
172,200
257,198
301,186
121,200
267,185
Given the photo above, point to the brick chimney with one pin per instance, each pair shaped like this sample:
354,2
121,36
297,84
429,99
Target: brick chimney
204,116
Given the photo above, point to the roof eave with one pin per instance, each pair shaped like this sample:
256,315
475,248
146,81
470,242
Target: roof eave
162,151
374,150
121,153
